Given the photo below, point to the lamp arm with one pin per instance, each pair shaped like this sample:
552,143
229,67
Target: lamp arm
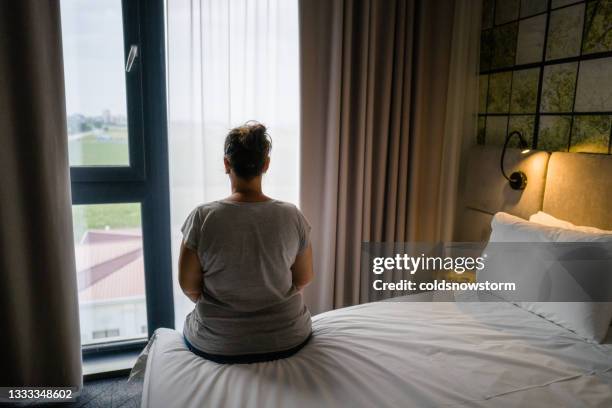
518,179
501,162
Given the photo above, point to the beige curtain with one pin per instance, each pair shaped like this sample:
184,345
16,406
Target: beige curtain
461,107
377,163
39,325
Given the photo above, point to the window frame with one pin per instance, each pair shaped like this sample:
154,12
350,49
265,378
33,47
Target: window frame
134,101
146,179
541,64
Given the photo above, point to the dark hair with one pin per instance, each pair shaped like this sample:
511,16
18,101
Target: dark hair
246,149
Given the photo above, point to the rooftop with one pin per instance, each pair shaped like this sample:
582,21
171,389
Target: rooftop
110,265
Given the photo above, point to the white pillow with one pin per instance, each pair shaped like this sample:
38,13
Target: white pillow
546,219
589,320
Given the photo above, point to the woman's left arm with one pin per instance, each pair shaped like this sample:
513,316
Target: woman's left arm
191,277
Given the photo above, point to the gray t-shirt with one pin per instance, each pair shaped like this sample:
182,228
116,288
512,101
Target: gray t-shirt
248,303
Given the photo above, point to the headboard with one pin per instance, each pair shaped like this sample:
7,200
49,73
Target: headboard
576,187
579,189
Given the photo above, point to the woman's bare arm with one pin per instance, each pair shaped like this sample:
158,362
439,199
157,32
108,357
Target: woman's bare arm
301,270
191,277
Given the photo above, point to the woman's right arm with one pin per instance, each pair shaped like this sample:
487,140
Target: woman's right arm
301,270
190,273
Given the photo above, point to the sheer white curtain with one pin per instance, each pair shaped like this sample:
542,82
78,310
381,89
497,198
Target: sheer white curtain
229,61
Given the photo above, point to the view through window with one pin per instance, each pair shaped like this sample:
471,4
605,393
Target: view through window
92,38
108,236
110,271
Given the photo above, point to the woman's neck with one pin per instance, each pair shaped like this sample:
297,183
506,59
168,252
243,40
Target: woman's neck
247,191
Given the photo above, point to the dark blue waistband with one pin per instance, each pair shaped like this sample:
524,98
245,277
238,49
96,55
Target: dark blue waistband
247,358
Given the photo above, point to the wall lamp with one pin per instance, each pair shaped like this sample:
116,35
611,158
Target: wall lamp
518,179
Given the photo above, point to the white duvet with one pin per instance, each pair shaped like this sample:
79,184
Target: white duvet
396,354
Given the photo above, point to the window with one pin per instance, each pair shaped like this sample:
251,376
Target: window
114,79
102,334
546,71
110,269
95,85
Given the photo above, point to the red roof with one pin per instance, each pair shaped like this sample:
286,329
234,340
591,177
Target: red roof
110,265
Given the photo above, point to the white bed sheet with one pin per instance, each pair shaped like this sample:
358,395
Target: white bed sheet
396,354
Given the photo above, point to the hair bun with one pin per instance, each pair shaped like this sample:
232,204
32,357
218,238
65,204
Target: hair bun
247,147
254,136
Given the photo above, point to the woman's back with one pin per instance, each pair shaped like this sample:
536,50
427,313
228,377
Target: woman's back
248,303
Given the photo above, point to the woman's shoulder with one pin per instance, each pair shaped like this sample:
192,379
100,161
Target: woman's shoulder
292,212
202,210
283,204
287,207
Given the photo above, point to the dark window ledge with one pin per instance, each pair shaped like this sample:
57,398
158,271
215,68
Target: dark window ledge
111,360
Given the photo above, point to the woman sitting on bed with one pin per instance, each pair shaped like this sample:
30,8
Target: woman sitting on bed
244,261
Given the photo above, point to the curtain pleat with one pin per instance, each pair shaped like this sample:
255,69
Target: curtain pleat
374,88
39,324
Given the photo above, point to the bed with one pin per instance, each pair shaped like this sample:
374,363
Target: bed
391,354
411,353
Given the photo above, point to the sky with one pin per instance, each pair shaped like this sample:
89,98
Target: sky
92,36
